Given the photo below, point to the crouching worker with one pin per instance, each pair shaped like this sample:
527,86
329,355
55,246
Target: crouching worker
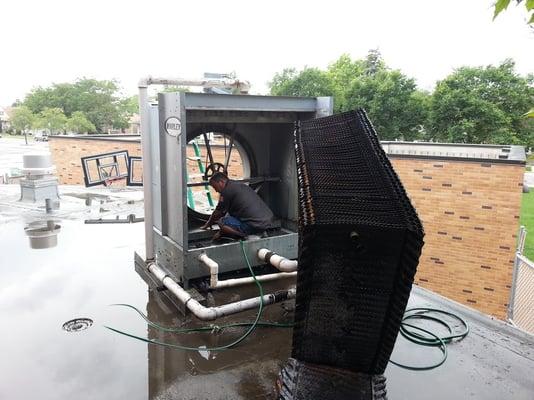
240,211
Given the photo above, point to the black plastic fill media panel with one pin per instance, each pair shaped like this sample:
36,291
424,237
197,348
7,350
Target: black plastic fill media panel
359,245
99,169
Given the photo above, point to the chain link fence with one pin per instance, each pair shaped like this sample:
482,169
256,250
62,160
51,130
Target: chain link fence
521,308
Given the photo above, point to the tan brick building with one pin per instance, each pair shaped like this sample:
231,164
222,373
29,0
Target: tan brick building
467,196
469,199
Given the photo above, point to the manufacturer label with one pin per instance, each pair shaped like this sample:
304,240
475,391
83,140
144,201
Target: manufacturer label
173,126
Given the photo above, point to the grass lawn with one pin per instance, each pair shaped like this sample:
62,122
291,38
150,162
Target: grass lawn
527,219
16,137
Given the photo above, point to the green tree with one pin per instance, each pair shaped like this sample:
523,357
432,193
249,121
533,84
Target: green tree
392,101
501,5
79,123
51,119
342,73
22,119
100,101
483,105
131,105
374,63
308,82
395,105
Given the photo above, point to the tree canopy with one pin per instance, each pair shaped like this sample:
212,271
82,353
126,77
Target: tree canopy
79,123
99,101
22,119
471,105
308,82
51,119
483,105
501,5
392,100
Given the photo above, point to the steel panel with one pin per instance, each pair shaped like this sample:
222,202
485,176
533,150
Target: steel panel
170,255
324,107
156,169
173,182
201,101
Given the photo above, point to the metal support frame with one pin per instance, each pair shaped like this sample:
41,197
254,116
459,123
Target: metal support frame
147,168
518,258
264,122
513,289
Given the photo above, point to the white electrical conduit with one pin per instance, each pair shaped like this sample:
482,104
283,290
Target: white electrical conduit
210,313
279,262
215,283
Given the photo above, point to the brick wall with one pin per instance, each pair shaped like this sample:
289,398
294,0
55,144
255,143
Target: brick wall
470,212
67,153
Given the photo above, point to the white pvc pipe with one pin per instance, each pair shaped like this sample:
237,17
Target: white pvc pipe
262,278
242,86
211,313
215,283
213,267
279,262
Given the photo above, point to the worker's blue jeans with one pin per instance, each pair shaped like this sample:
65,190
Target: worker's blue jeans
238,225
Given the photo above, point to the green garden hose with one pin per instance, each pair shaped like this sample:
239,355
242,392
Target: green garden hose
218,348
210,328
433,340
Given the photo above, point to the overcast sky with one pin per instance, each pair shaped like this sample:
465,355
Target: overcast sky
47,41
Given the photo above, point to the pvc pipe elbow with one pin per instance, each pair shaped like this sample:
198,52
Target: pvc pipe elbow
262,253
210,263
213,266
288,265
201,312
281,263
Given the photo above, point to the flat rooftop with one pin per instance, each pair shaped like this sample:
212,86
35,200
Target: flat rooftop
92,266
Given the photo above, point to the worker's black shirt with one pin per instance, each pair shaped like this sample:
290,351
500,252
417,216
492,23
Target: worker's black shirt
243,203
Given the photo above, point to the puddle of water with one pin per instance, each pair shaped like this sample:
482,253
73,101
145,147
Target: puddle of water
91,267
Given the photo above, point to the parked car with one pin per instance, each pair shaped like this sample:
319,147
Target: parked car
40,137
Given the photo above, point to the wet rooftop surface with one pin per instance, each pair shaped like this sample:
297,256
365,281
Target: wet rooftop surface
92,266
